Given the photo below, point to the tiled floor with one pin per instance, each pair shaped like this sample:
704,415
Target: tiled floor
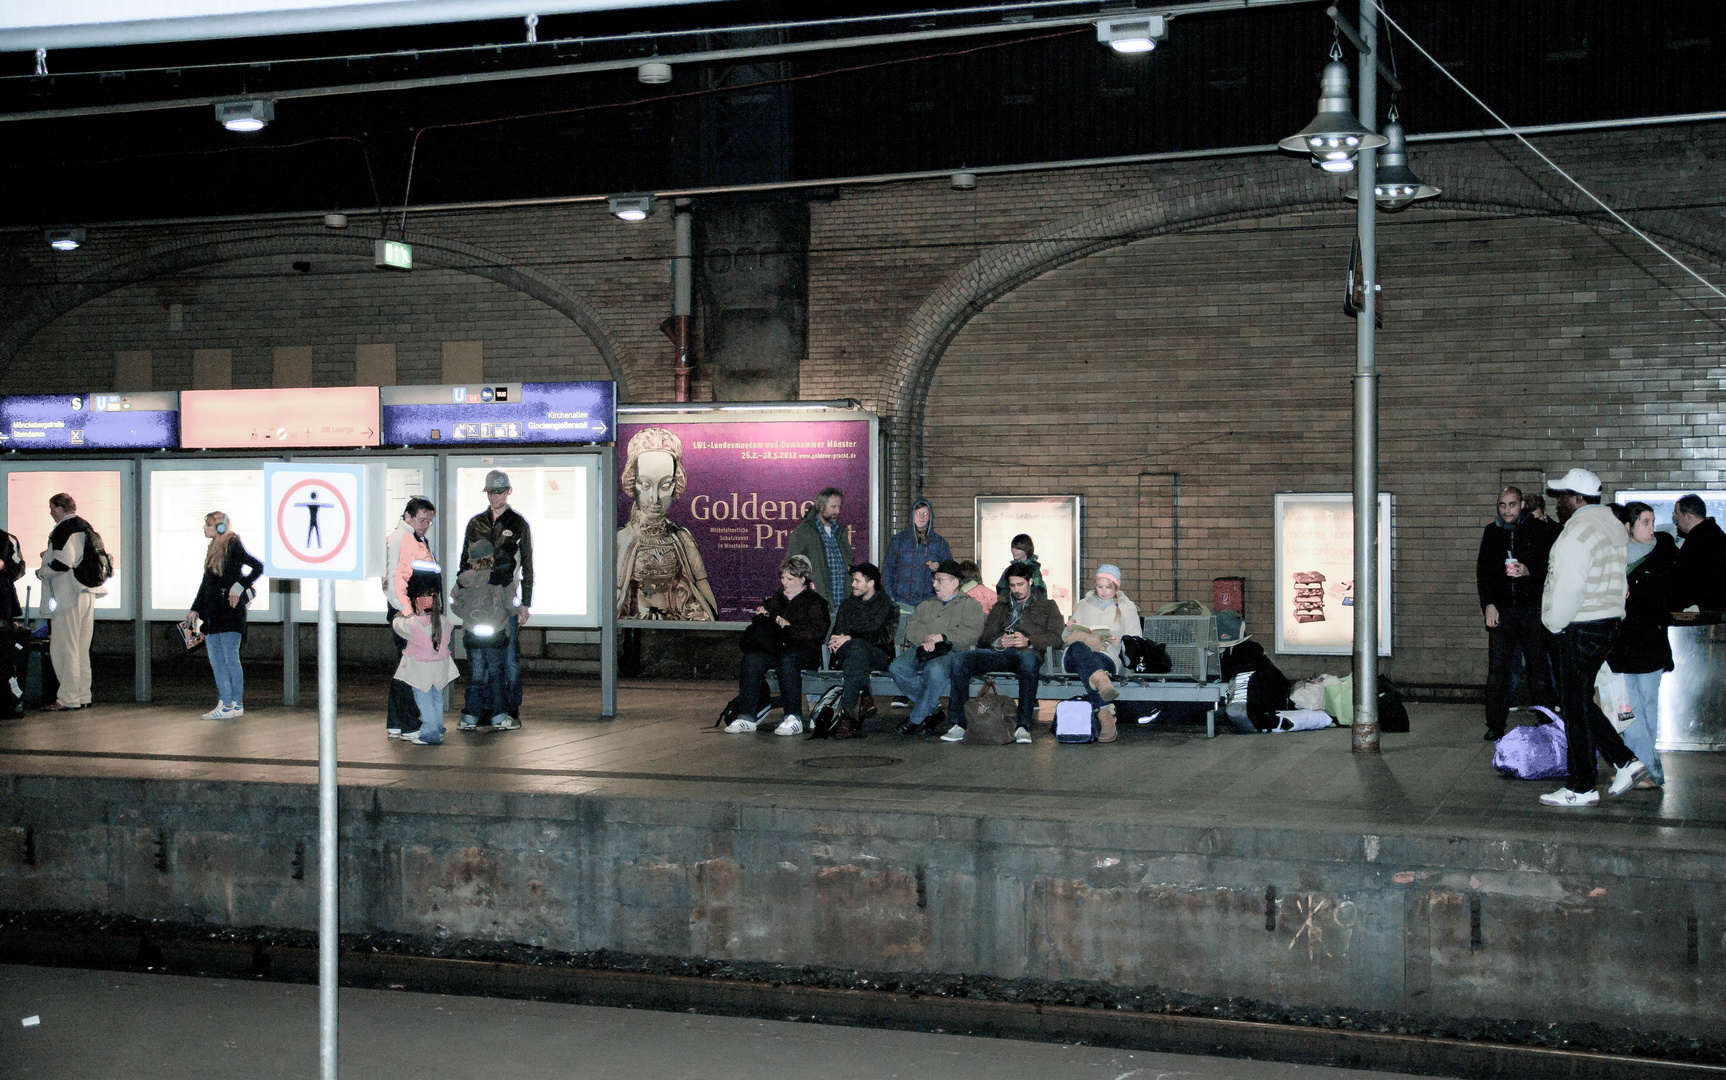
1436,780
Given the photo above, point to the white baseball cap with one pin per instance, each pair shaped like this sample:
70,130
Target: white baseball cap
1580,481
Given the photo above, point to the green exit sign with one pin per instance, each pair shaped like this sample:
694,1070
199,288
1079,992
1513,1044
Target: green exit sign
393,255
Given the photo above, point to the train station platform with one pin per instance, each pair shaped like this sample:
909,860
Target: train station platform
1274,867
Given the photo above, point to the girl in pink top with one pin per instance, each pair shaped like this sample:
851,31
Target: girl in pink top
426,665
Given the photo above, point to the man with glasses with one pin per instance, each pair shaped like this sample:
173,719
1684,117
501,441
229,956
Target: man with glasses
1509,575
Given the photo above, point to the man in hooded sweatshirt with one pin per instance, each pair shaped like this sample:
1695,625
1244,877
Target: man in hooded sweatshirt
1582,605
861,642
826,544
913,556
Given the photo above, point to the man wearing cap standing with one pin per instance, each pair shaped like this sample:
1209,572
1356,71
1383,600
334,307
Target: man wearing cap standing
512,550
1582,605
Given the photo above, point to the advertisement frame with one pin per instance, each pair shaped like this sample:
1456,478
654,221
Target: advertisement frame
261,610
121,545
1077,502
1386,508
767,413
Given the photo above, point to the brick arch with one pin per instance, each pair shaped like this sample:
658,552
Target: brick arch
179,256
1283,188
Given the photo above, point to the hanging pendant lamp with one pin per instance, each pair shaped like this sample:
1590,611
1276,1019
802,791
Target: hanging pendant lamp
1334,137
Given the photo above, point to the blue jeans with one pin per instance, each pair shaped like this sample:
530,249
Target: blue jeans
1024,662
1640,735
487,695
224,650
752,678
1084,661
922,683
430,704
512,667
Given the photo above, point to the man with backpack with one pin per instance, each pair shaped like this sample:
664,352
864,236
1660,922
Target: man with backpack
74,568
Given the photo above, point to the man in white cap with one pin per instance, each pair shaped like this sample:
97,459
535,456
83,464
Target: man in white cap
512,550
1582,605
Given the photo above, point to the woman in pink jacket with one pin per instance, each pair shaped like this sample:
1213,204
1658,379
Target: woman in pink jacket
426,665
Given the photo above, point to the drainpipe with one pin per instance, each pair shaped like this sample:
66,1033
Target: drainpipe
677,327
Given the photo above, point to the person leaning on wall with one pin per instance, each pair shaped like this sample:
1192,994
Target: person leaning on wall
219,612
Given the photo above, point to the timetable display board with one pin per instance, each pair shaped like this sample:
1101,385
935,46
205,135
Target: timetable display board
271,421
559,496
177,496
1315,573
103,491
141,421
499,413
363,601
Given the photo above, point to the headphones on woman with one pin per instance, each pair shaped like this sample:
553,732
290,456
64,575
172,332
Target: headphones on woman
222,525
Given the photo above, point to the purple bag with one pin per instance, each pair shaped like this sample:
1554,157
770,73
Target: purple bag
1534,751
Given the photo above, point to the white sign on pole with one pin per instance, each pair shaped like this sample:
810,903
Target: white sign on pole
316,520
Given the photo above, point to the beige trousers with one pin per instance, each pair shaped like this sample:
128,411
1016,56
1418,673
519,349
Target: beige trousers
69,648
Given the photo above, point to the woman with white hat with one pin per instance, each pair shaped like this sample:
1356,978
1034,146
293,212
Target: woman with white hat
1093,636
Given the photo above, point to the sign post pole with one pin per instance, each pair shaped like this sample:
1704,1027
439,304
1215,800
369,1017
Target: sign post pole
328,923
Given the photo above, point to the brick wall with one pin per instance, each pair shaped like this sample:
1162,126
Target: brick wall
1122,332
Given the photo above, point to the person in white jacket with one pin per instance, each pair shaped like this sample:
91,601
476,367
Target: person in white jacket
1093,636
71,604
1582,604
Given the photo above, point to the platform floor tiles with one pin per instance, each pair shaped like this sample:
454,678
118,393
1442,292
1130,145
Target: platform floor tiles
1435,780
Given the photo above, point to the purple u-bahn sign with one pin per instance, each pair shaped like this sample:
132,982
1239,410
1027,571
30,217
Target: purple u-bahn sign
141,421
491,414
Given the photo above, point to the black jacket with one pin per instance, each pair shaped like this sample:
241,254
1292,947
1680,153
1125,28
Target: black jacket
1531,542
1641,645
508,551
1700,576
807,614
874,620
212,603
11,569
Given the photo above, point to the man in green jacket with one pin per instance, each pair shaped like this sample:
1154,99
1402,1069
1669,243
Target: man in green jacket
826,544
1019,627
941,630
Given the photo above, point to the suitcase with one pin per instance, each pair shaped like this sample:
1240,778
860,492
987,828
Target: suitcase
1076,722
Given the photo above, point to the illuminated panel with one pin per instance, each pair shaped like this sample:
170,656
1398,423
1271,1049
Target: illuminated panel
97,493
556,503
143,421
368,595
179,499
493,413
291,418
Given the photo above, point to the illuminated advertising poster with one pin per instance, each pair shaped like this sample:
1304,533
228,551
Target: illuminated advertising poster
367,596
706,509
1052,523
144,421
98,494
561,508
1663,503
291,418
1315,574
566,412
179,499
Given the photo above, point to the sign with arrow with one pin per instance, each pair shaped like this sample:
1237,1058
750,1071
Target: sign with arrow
287,418
499,413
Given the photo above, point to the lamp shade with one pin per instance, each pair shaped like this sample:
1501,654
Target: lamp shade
1395,185
1334,136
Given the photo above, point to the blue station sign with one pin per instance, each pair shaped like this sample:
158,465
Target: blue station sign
499,413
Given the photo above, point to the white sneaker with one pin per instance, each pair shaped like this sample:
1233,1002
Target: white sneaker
740,726
1021,736
236,710
954,734
220,712
1626,778
789,726
1565,797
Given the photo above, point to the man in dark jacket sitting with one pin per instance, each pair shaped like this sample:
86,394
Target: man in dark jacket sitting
861,642
1700,576
1018,629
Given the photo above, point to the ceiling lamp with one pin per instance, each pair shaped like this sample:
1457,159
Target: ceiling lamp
654,73
1134,33
249,115
64,239
1394,184
1334,137
963,181
631,207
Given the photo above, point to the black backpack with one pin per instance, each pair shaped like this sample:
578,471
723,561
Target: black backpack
1145,657
1392,713
96,567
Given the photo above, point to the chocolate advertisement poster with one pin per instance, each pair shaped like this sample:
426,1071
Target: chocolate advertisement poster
1315,587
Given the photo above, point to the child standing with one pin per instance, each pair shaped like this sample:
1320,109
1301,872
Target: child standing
426,665
484,610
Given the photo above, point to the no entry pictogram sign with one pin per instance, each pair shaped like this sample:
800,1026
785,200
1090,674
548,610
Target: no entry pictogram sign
316,516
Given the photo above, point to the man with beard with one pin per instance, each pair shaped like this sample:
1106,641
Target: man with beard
1509,575
1582,605
861,642
826,544
1700,576
660,574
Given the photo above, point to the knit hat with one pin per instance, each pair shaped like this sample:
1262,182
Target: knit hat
479,549
1110,570
496,481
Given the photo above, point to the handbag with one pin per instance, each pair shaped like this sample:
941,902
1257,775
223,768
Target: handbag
1143,656
942,648
986,718
764,635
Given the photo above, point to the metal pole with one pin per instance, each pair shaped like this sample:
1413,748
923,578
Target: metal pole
1365,731
142,690
608,582
290,645
328,924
